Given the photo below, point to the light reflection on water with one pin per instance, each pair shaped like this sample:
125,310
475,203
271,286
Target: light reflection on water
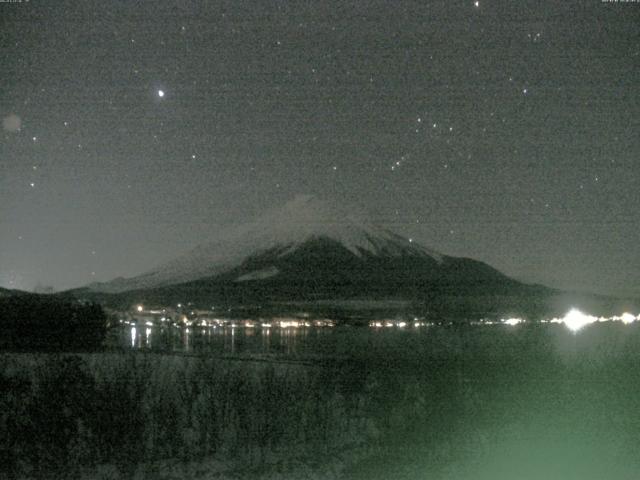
133,335
228,340
322,341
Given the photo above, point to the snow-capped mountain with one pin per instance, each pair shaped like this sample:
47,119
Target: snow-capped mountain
282,230
314,253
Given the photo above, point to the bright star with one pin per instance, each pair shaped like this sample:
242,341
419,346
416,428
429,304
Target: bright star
161,93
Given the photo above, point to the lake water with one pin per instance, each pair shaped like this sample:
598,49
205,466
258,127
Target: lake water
292,337
224,340
357,342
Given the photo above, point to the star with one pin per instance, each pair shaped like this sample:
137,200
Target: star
161,93
476,4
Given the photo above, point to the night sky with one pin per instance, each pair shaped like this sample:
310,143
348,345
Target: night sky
505,131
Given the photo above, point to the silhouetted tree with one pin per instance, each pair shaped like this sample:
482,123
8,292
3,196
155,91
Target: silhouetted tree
44,322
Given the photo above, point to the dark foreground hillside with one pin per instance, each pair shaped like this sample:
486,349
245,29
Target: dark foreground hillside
528,402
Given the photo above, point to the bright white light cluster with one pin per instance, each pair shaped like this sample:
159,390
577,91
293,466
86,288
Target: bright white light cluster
626,318
512,321
417,323
575,319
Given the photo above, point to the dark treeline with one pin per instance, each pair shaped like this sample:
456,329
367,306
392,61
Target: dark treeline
45,322
66,415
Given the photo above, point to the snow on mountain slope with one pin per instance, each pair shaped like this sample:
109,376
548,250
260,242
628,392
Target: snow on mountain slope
284,229
259,274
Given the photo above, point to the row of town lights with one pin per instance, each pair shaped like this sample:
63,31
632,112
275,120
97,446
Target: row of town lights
574,320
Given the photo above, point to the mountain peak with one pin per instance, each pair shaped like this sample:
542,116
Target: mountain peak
285,229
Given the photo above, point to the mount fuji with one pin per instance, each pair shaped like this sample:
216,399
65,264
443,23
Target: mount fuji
309,251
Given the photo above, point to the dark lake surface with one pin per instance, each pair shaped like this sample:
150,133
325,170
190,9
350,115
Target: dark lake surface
526,341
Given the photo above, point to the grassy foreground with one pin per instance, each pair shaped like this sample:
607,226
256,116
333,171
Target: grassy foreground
528,402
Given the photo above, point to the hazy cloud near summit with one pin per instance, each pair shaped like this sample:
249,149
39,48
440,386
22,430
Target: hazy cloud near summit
12,123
